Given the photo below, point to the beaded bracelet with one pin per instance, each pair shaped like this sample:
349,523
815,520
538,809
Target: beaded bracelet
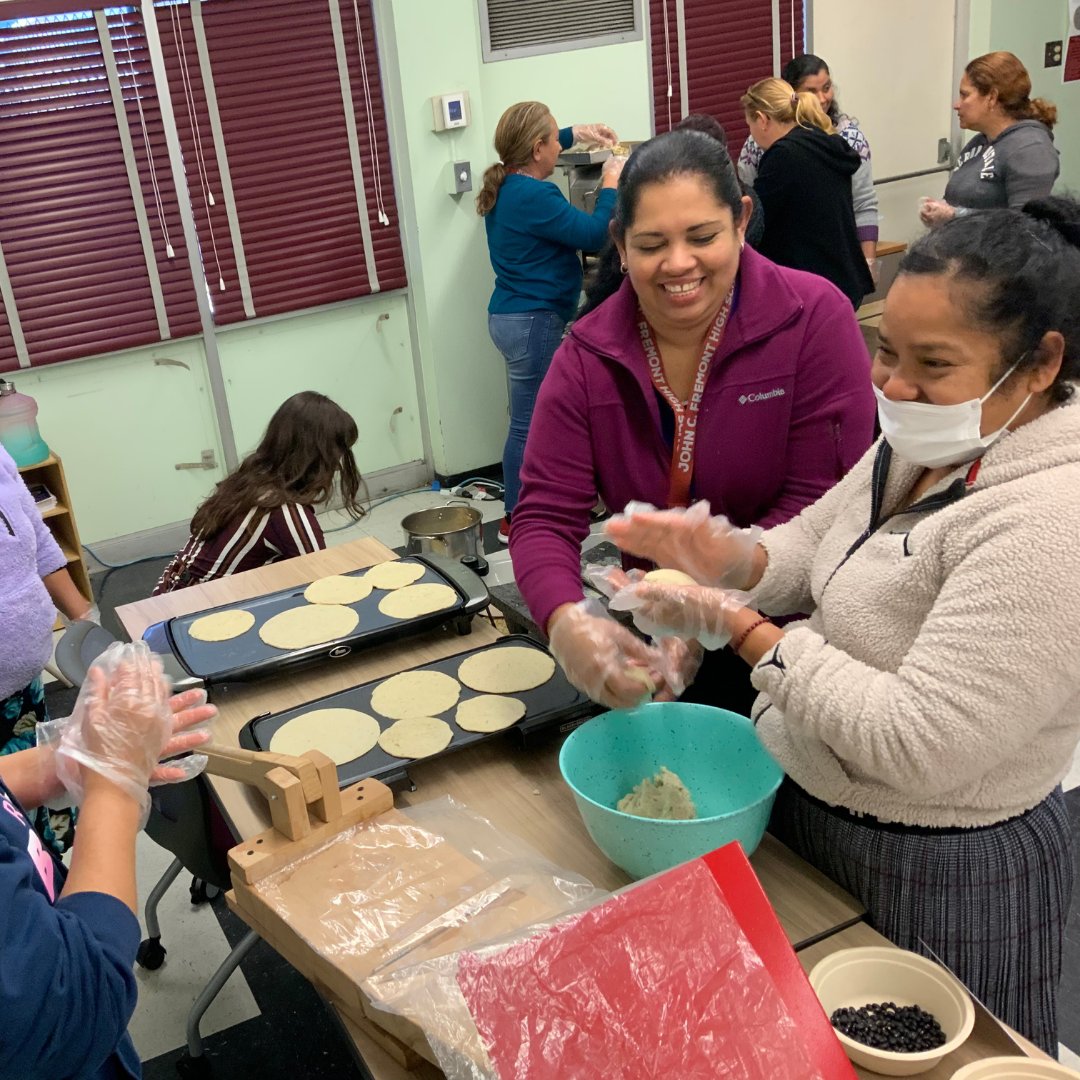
738,643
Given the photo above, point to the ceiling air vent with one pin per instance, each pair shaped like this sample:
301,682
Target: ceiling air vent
512,28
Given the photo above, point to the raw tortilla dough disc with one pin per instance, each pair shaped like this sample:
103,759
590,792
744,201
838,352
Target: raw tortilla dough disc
489,712
670,577
221,626
508,670
415,693
341,734
417,737
394,574
415,600
337,589
311,625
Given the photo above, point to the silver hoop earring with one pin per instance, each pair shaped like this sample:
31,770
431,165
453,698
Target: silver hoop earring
624,268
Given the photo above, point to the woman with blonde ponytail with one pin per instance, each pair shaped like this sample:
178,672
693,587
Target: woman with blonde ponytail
804,183
1012,158
534,236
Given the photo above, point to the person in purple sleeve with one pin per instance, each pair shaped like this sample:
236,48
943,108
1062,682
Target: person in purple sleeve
699,370
34,584
68,937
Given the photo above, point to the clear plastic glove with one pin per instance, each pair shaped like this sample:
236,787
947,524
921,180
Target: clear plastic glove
594,135
611,171
93,614
683,659
121,725
935,212
191,715
710,549
604,659
692,612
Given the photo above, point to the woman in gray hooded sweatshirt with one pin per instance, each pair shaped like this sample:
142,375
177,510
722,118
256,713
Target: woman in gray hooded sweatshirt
1012,159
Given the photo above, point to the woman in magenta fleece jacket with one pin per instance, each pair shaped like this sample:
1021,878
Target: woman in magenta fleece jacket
706,372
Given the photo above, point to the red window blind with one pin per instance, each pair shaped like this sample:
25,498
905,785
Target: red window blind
298,204
81,276
728,46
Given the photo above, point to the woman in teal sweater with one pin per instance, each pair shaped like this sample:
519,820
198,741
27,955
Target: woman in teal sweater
533,237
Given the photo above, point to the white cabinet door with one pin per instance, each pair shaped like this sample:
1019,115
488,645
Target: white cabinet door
893,68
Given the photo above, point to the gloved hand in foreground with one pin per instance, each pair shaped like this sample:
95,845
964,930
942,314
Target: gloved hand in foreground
124,722
710,549
683,658
693,612
603,659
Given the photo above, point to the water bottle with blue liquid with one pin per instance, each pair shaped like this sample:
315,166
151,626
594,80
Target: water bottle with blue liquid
19,433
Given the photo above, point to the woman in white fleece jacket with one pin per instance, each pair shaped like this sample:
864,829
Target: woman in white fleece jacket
928,708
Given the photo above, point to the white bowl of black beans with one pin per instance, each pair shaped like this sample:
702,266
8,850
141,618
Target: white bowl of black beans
894,1012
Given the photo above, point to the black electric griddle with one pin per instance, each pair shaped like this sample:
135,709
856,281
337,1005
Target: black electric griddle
555,705
248,657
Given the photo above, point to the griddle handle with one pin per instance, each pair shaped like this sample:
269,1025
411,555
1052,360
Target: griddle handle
466,581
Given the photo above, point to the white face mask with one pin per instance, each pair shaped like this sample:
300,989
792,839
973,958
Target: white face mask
937,435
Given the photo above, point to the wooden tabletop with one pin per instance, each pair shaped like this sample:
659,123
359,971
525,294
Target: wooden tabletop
519,789
989,1038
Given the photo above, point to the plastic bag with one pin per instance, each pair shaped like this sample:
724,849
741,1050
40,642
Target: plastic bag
658,980
393,901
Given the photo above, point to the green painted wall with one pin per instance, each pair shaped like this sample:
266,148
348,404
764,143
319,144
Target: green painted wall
435,47
358,354
1023,27
121,423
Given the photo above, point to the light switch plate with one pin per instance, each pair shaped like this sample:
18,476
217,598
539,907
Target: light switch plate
462,177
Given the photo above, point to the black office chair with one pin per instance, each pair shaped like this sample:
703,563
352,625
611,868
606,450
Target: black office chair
179,822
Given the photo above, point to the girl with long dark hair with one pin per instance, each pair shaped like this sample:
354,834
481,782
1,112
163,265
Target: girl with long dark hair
265,510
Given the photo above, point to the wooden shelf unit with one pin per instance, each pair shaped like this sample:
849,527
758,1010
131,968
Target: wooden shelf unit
61,519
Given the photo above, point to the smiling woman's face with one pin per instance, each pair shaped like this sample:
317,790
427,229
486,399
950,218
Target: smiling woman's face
682,253
930,352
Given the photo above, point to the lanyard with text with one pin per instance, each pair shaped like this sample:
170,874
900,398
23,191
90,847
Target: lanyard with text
686,413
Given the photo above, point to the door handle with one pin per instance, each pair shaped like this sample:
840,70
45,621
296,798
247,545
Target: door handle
207,461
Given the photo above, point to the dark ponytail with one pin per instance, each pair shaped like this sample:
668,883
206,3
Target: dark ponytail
675,153
1024,267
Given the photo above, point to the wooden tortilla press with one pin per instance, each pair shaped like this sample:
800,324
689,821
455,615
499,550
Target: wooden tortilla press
306,806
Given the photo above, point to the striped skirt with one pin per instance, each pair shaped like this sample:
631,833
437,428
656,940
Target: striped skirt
990,902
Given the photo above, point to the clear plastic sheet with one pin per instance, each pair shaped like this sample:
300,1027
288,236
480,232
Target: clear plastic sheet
410,890
658,980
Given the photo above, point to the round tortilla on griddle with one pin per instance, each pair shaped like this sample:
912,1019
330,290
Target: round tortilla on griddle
222,625
312,624
507,670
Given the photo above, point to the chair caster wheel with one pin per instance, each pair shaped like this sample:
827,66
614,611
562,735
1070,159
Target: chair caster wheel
151,954
200,892
189,1068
